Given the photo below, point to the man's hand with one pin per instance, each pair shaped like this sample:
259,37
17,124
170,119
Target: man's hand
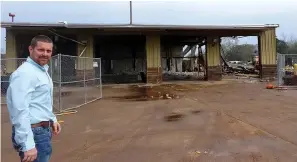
56,128
30,155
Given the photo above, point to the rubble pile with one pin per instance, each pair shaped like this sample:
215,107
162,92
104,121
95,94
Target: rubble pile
243,68
169,75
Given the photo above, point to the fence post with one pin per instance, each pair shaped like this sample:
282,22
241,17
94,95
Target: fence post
278,59
85,86
60,82
100,75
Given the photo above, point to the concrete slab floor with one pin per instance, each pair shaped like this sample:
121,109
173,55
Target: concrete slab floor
234,121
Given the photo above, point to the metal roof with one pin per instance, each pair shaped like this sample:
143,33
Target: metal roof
140,26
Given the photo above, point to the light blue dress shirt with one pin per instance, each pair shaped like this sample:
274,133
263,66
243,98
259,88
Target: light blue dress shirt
29,100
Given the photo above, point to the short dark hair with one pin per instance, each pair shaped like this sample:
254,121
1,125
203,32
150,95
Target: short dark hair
40,38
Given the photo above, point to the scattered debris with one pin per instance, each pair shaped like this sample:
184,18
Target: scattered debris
269,86
170,75
157,92
194,154
197,152
148,93
242,68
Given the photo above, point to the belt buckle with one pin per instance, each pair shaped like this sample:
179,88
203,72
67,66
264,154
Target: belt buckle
44,125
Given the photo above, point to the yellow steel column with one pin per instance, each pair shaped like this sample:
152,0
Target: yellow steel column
85,63
214,69
88,39
153,59
11,62
267,53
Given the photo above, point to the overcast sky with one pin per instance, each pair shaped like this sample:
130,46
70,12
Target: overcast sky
209,12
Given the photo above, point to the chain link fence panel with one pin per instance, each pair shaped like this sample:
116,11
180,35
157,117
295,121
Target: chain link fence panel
287,70
8,65
77,80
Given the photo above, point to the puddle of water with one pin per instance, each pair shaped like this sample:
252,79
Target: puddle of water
196,111
174,117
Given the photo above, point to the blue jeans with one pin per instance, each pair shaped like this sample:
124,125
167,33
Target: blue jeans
42,138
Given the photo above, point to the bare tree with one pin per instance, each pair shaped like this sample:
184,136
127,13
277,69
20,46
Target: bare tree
227,43
291,43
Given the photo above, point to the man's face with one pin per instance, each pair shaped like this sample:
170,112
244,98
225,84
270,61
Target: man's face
41,53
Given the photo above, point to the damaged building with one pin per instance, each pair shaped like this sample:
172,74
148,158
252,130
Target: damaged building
143,53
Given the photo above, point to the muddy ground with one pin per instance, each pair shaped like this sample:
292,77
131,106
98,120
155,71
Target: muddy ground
183,121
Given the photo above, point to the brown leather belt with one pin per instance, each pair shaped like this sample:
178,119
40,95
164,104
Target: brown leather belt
44,124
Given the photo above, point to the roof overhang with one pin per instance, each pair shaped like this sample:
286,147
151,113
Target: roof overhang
182,29
137,26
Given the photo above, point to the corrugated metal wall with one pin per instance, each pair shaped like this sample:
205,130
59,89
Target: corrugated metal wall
89,52
267,45
11,64
213,51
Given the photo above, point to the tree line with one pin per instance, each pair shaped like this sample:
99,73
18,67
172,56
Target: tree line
286,47
231,49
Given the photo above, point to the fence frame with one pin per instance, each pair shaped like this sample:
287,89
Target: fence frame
17,63
59,81
281,64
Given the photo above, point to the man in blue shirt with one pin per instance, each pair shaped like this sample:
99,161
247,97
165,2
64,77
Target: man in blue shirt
30,104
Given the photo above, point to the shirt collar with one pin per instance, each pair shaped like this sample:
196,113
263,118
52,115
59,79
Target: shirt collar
44,68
